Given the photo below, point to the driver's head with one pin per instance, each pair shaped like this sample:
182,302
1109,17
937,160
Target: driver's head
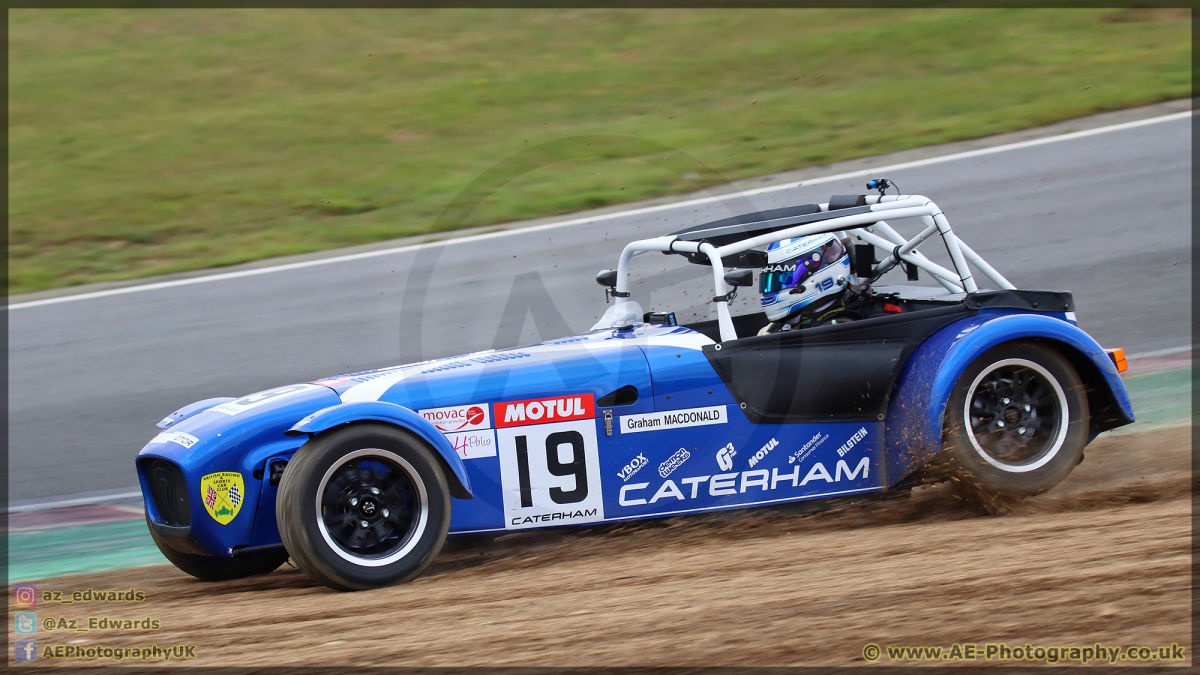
800,272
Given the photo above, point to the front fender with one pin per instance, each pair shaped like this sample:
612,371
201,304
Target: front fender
230,437
927,379
381,411
192,410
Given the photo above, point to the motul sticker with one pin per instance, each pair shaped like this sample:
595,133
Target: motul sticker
544,410
458,418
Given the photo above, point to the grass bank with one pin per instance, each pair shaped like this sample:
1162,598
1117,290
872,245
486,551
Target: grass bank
151,141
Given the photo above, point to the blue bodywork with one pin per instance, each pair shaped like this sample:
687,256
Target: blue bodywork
682,445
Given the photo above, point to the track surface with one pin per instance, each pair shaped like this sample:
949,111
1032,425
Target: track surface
1107,216
1104,557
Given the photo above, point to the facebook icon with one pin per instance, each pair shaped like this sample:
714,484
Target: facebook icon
25,650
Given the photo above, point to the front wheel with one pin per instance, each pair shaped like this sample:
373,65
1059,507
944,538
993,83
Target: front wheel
363,506
1016,424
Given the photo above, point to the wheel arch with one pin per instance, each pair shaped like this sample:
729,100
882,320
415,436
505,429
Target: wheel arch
343,414
913,433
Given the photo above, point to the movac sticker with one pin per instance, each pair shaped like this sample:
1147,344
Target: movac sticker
458,417
673,419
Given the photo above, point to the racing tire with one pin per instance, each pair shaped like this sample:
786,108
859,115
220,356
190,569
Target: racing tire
1016,424
363,506
216,568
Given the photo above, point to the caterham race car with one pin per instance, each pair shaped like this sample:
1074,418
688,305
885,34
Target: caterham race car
852,387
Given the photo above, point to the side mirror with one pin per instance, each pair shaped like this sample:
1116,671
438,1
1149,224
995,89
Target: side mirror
607,278
737,278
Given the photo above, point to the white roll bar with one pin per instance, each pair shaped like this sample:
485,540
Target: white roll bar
868,227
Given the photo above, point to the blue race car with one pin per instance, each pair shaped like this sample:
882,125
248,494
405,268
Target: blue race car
841,386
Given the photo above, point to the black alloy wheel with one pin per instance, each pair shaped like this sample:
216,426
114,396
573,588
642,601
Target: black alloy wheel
1015,425
364,505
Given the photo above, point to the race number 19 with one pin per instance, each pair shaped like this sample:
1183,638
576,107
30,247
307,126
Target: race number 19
550,474
577,467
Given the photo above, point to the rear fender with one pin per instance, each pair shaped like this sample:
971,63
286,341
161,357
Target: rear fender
918,407
390,413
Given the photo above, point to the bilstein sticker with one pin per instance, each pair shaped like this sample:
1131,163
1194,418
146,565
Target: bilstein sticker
222,494
673,419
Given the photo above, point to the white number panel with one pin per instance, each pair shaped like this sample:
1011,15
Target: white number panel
550,474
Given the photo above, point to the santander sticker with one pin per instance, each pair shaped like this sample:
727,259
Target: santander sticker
458,418
545,410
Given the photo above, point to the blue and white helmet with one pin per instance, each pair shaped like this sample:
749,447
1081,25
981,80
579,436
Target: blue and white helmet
800,272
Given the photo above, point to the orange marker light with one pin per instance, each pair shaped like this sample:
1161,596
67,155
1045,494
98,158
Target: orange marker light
1118,359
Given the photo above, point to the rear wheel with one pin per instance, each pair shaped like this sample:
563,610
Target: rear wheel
363,506
215,568
1016,424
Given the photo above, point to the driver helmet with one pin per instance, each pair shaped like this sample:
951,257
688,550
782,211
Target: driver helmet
801,271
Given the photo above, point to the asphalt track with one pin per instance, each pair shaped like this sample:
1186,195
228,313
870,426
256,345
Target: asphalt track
1107,216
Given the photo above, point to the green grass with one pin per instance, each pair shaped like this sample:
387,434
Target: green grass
152,141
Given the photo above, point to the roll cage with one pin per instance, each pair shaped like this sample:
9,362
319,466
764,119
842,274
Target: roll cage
727,242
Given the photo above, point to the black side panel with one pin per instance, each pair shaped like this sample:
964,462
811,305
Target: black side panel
794,382
1043,301
838,372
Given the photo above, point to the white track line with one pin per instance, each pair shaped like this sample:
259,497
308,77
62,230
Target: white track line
1160,352
80,501
609,216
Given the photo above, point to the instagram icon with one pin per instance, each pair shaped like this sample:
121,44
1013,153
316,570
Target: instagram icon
26,596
